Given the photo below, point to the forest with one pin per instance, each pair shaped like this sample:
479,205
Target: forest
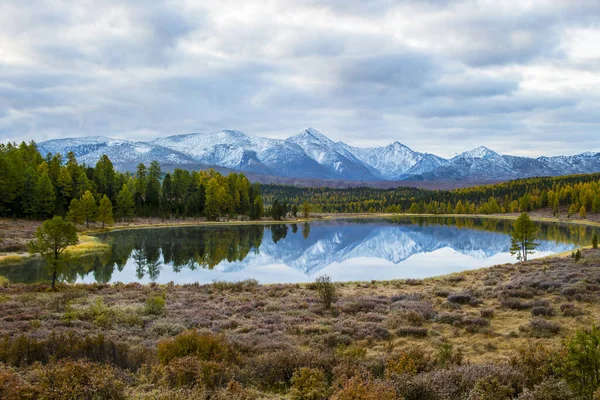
36,187
573,194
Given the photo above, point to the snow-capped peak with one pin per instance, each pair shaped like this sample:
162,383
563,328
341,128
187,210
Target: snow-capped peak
311,135
480,152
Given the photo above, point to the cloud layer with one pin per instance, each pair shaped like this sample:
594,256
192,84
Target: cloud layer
521,77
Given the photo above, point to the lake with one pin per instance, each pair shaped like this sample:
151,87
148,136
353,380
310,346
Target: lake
344,249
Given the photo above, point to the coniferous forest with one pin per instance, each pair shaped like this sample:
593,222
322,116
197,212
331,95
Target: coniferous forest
37,187
577,194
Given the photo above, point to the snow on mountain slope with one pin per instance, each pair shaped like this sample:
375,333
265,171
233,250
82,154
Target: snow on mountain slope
234,149
395,161
311,154
334,157
89,150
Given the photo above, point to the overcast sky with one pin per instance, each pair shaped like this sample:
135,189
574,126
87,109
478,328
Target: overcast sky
519,76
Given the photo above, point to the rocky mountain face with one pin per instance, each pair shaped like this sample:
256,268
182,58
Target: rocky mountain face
311,154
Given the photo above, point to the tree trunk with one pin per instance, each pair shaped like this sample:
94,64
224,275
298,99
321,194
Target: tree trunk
54,280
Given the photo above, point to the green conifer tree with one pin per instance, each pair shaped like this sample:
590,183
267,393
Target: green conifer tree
105,212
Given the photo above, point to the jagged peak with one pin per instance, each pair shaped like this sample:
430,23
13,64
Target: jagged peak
312,135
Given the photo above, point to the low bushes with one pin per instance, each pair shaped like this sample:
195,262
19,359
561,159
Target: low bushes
79,380
191,343
309,384
24,350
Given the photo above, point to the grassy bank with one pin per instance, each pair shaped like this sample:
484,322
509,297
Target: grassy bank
399,338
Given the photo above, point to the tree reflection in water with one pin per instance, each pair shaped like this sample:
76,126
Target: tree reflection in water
152,250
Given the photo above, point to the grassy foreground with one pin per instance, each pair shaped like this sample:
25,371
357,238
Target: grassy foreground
452,337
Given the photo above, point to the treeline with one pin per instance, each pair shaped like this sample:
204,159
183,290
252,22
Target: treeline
32,186
572,194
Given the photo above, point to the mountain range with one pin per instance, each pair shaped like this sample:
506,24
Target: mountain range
312,155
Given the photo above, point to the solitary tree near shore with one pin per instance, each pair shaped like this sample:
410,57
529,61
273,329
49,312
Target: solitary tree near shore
595,240
51,240
523,237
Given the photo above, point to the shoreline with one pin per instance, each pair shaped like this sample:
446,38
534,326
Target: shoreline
89,242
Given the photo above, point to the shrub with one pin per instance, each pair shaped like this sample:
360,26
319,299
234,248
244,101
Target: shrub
535,362
541,328
460,298
570,310
452,318
359,388
514,304
247,285
487,313
489,388
274,369
424,308
414,331
190,343
326,290
166,328
309,384
410,360
79,380
187,372
581,363
456,382
24,350
447,356
542,311
550,389
155,305
14,387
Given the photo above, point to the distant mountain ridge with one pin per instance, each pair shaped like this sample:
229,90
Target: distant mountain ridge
311,154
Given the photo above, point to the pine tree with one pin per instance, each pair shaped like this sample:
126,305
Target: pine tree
523,237
45,196
125,203
105,212
595,240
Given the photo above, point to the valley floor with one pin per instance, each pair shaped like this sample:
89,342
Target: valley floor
397,339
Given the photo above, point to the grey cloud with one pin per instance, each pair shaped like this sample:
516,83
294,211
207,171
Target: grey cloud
133,68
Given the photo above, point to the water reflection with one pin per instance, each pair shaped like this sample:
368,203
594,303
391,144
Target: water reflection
344,249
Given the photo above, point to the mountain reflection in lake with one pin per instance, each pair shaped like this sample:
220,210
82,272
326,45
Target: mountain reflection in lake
346,250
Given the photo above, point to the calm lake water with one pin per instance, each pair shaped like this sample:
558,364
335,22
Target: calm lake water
346,250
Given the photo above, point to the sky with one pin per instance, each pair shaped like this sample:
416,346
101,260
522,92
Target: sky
519,76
